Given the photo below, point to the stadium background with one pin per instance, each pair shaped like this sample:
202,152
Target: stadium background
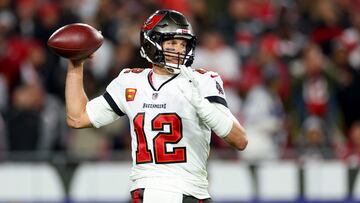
291,71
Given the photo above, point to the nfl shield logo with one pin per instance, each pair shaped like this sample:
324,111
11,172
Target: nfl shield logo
155,95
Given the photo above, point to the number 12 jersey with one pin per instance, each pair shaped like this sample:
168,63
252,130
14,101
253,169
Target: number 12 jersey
170,144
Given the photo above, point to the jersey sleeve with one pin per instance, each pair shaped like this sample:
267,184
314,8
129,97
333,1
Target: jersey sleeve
100,113
114,94
212,88
108,107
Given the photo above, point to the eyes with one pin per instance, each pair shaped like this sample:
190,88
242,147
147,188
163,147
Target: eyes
173,43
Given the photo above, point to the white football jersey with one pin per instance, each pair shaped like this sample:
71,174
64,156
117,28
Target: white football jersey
170,145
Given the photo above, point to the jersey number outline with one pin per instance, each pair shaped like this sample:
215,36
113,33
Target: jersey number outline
133,70
161,155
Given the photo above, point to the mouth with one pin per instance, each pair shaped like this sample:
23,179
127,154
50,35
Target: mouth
174,59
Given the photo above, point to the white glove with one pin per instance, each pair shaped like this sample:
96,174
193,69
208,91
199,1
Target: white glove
217,120
195,98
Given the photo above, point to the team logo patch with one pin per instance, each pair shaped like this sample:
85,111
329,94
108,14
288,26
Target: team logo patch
130,94
219,88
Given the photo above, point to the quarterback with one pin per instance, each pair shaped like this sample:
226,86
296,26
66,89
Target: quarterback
172,110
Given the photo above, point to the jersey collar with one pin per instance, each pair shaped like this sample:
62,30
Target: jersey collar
150,80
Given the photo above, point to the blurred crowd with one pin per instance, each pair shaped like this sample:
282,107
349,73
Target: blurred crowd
291,72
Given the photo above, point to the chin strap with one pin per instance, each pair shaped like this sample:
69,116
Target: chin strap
173,68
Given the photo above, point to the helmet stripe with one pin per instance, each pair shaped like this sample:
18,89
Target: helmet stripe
152,21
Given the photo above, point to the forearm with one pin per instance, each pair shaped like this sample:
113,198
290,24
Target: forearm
75,97
225,125
237,137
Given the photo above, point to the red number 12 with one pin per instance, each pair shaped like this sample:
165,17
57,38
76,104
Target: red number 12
161,155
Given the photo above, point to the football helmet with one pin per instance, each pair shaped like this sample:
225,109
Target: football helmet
161,26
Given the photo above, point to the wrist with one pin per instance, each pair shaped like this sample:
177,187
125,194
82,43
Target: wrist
75,70
76,63
75,66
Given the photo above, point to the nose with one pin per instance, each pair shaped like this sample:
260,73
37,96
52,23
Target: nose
179,49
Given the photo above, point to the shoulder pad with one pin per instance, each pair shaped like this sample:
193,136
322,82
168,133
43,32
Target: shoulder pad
204,71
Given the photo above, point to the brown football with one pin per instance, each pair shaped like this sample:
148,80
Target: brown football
75,41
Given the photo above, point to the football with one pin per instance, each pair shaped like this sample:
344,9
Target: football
75,41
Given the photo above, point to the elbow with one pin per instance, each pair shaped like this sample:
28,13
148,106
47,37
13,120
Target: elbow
242,143
73,123
237,141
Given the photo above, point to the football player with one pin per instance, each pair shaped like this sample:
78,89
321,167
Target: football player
172,109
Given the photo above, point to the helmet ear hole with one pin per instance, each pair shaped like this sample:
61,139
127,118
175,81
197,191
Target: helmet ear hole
153,38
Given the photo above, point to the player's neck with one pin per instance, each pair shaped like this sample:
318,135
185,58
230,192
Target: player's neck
159,70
